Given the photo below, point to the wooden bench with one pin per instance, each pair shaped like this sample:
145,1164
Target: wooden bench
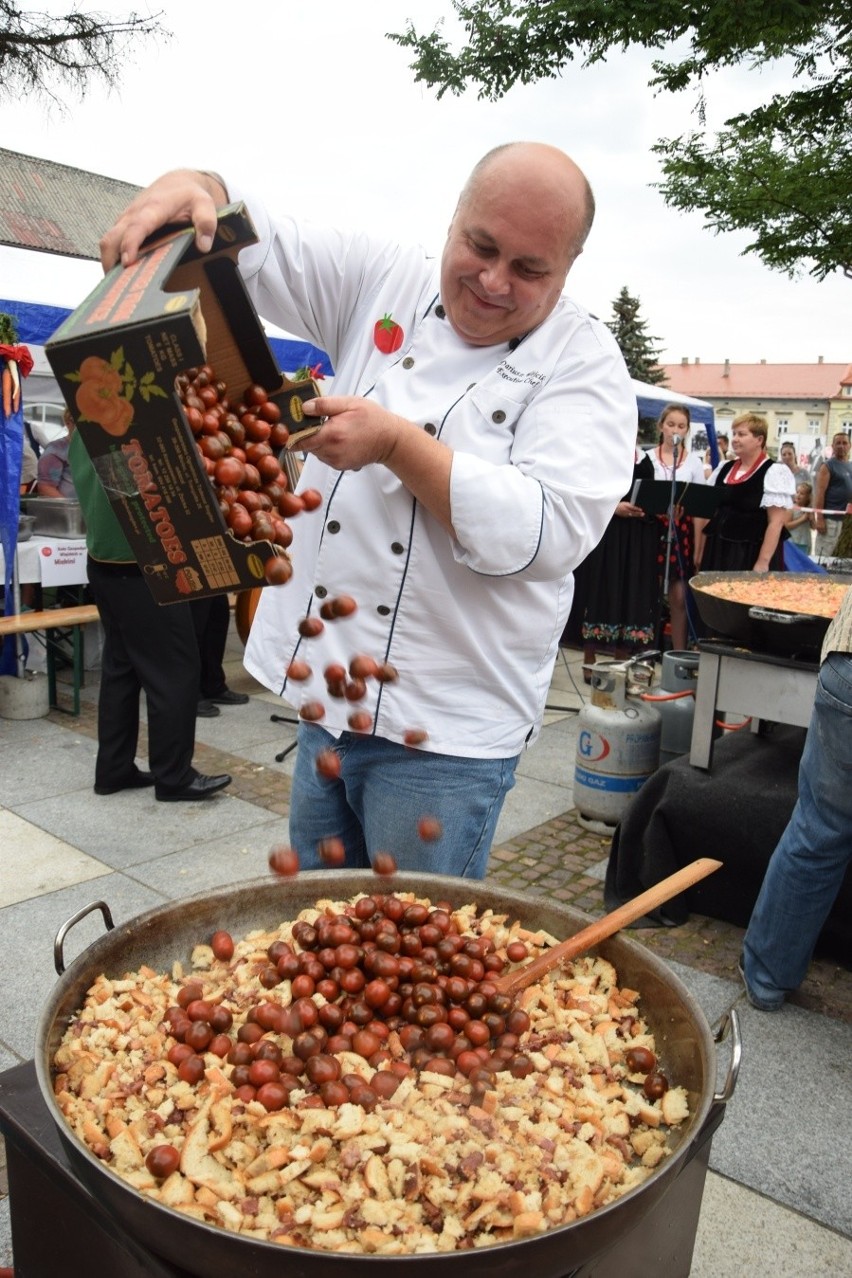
50,620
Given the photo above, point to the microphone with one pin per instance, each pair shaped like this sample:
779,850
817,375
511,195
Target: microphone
676,440
515,343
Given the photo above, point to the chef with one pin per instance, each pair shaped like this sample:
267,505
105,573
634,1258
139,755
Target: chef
478,439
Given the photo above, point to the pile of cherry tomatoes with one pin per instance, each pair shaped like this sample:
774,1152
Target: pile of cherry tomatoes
240,445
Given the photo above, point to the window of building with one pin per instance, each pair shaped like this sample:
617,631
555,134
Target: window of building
815,425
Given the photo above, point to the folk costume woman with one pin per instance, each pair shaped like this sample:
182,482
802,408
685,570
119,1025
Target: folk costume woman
747,530
673,460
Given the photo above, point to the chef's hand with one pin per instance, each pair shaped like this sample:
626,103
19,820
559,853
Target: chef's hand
359,432
183,195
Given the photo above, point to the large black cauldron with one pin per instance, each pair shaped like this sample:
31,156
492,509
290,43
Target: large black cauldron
157,938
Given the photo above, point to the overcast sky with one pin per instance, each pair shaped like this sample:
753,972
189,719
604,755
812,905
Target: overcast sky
314,105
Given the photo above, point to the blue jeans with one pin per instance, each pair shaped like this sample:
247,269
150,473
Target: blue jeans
382,792
808,865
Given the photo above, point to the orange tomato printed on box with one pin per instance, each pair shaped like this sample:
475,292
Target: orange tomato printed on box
106,388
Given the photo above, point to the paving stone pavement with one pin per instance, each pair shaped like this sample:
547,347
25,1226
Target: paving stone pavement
560,860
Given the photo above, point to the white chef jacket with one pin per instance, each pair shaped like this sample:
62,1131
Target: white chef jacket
542,438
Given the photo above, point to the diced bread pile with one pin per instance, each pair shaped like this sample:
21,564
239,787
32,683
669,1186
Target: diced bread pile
439,1166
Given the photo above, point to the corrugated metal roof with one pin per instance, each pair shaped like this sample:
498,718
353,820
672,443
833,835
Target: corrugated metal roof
54,208
759,381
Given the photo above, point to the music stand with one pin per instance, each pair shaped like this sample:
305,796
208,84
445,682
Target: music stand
664,497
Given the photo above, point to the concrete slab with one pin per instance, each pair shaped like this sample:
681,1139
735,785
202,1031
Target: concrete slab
68,759
781,1131
26,946
238,728
35,862
218,863
741,1232
785,1132
126,829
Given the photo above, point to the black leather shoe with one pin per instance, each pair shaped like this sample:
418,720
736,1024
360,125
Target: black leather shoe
200,787
229,698
206,709
136,781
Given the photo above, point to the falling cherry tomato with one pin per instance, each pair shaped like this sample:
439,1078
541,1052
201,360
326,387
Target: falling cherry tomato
331,851
277,570
328,764
430,829
284,860
384,863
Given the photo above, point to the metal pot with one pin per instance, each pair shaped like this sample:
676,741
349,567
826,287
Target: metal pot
160,936
775,630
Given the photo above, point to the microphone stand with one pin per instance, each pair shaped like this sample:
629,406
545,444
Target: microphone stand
670,528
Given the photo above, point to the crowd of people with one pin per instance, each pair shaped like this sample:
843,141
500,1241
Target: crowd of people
637,579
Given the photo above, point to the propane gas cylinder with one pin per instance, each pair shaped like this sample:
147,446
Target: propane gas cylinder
618,744
676,703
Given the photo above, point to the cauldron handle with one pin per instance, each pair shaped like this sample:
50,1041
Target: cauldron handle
58,956
731,1021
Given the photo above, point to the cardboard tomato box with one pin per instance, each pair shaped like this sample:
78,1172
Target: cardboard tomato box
116,359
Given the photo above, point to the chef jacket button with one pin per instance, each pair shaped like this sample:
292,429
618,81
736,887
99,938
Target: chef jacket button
320,592
499,416
408,362
397,547
440,312
430,428
333,526
383,610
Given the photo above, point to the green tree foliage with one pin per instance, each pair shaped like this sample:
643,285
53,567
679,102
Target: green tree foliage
40,51
782,173
641,354
8,329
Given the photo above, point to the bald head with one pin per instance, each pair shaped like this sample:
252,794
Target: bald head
520,222
544,172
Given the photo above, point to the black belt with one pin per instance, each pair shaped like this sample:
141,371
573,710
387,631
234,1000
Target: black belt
113,568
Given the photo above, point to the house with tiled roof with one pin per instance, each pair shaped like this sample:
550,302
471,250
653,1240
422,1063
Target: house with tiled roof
805,403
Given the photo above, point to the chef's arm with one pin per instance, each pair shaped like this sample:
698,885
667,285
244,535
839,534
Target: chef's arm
424,465
776,520
823,476
183,195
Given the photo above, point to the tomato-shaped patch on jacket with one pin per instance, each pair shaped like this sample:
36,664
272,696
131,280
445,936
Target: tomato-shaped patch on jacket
387,335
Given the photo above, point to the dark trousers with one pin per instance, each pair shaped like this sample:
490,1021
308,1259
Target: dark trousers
152,648
211,618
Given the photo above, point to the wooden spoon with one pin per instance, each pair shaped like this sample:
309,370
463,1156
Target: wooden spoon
521,977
